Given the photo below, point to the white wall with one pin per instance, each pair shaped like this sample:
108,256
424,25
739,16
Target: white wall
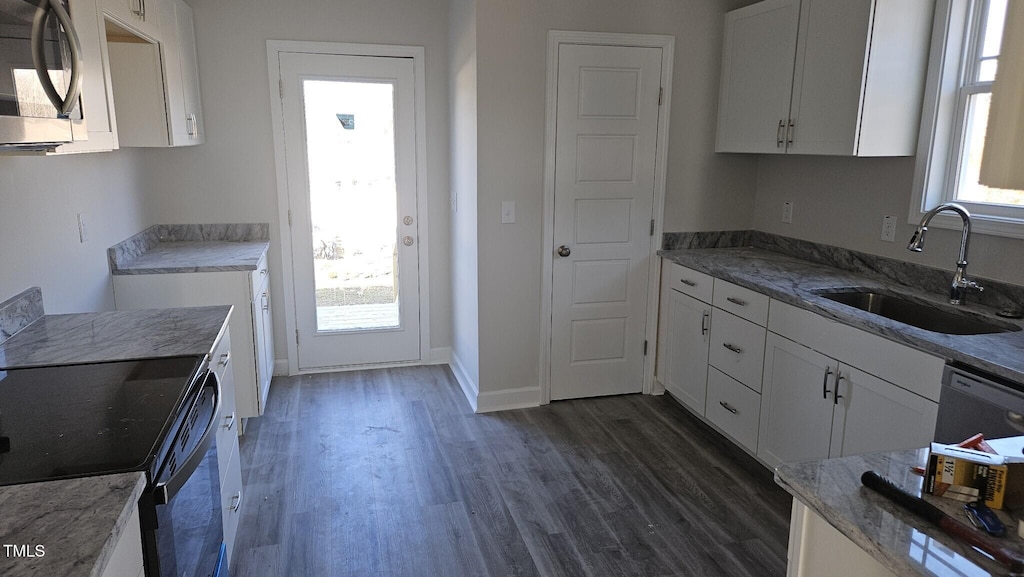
232,179
464,254
40,198
841,202
704,191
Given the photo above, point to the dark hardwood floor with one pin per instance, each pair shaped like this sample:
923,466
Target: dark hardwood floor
388,473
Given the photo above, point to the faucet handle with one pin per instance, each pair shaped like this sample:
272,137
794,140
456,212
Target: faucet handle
970,285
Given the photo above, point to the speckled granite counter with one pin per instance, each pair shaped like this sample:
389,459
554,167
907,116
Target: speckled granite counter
77,521
191,248
114,336
903,543
798,282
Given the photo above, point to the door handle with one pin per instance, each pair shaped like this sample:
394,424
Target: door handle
563,251
64,104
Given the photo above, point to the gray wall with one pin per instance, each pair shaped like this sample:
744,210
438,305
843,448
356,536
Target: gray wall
232,177
705,191
464,254
40,199
841,202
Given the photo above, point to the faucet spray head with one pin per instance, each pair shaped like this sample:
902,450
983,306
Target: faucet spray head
917,241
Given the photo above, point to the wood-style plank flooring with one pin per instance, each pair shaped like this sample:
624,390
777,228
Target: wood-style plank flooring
388,473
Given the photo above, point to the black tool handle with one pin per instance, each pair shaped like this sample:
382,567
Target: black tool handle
949,525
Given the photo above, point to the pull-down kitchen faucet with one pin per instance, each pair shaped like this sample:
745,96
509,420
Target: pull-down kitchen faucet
960,282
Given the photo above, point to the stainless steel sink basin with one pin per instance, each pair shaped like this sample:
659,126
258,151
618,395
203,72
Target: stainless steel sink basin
919,315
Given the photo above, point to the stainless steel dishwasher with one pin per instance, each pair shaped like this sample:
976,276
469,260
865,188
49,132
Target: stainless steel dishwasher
972,402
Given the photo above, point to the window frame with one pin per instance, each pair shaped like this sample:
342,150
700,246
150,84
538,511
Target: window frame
954,60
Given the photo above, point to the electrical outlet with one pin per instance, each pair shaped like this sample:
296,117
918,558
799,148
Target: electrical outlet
889,228
787,212
83,232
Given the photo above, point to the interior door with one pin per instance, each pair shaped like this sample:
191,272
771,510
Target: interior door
350,147
606,132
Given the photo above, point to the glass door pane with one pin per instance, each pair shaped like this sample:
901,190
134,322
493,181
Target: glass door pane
350,144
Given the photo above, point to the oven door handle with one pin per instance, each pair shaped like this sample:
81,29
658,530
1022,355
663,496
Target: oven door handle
65,104
165,491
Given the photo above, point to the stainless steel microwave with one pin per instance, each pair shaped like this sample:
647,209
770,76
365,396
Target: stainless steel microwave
40,76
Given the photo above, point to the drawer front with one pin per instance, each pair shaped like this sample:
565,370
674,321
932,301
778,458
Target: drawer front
737,348
742,302
259,277
734,408
689,282
227,426
231,494
220,359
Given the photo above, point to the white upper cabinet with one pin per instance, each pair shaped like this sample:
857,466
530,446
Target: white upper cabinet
138,15
828,77
181,74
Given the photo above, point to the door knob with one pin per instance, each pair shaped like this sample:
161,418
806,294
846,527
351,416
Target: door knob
564,251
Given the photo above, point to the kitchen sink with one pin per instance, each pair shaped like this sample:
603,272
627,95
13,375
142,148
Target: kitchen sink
922,316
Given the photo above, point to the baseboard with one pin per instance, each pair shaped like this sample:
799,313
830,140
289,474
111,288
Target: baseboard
469,386
440,356
508,399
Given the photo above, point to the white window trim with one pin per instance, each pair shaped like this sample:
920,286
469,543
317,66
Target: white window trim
937,148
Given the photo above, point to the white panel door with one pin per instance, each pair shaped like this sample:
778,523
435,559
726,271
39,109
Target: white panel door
350,153
605,144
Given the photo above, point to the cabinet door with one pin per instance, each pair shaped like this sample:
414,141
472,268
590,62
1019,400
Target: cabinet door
876,415
757,74
138,16
686,350
265,346
831,60
796,403
181,73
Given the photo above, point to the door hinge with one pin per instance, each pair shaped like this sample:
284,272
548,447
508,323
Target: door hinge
296,336
652,227
645,348
280,87
661,95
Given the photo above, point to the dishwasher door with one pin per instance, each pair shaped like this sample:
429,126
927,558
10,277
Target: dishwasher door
972,404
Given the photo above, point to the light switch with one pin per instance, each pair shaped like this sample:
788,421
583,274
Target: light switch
508,212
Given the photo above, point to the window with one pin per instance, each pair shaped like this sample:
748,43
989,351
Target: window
965,58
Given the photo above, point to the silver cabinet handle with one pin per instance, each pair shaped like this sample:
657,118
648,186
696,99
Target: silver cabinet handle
142,5
835,395
236,501
732,348
224,359
266,302
789,133
136,11
67,103
736,301
726,406
778,133
229,421
687,282
824,382
704,322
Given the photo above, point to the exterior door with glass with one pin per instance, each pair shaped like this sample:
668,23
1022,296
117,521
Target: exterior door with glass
350,153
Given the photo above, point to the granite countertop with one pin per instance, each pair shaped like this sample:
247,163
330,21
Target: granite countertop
78,522
191,248
114,336
797,282
902,542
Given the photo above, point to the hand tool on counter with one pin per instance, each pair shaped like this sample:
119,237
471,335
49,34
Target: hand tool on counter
949,525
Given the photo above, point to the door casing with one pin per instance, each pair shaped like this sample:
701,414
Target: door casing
274,49
556,38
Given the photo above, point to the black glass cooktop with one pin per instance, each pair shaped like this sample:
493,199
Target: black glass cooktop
88,419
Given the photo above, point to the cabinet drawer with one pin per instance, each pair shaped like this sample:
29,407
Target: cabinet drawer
734,408
259,278
737,348
231,493
689,282
220,358
741,302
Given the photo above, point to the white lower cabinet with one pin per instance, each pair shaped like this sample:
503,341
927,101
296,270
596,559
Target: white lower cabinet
126,559
683,356
733,408
228,464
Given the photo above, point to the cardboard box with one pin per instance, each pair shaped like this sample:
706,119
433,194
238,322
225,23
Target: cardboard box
969,475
